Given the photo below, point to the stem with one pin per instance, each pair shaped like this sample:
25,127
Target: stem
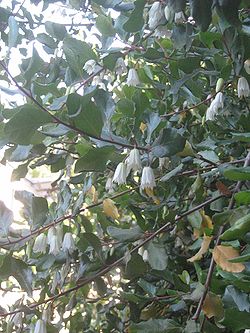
217,242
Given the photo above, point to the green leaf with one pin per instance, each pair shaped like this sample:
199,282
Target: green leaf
157,256
238,230
136,267
21,153
136,20
168,143
39,211
156,326
13,32
236,320
242,198
105,26
244,137
233,297
56,30
95,159
23,125
33,66
77,53
124,235
201,11
234,173
46,40
6,218
93,241
20,172
19,270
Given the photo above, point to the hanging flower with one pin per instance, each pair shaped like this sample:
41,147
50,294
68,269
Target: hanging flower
54,240
68,244
40,244
216,104
247,69
147,178
40,327
120,174
109,186
89,66
120,66
179,17
155,15
110,208
133,79
134,160
243,87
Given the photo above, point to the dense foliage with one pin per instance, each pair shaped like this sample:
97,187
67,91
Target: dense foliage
141,108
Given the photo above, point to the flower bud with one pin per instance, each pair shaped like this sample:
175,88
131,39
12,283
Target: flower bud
219,85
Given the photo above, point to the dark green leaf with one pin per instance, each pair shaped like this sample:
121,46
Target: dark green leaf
168,143
156,326
234,173
135,21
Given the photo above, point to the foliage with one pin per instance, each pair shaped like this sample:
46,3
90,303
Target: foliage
122,75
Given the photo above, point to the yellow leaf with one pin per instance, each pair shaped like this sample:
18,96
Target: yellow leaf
204,247
150,193
205,224
206,221
93,193
110,209
222,254
212,306
143,127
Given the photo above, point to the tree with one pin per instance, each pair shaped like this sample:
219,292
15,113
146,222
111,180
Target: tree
142,108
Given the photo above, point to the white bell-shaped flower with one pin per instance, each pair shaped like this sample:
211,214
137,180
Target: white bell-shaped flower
243,87
247,69
155,15
120,174
68,244
109,186
216,104
40,327
54,240
134,160
89,66
147,178
120,66
133,79
40,244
